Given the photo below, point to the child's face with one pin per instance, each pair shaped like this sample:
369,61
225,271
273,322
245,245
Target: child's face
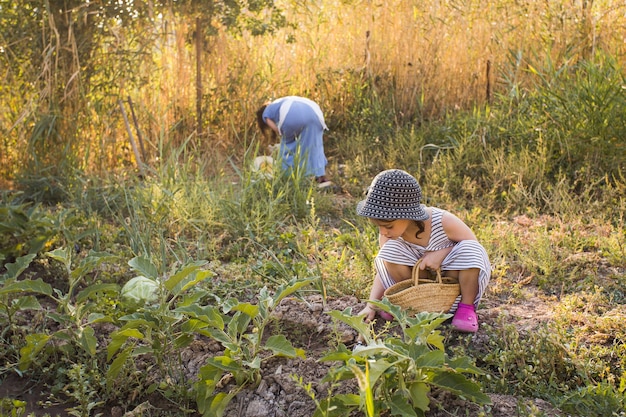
391,229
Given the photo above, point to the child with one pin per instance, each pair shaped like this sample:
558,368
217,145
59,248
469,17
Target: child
300,124
410,231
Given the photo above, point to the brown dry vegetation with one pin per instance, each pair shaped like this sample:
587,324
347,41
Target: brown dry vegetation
424,59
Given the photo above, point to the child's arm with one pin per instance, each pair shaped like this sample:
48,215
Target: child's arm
455,229
376,293
272,126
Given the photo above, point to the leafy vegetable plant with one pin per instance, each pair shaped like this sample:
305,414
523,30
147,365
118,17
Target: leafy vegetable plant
240,330
75,340
395,373
72,312
156,328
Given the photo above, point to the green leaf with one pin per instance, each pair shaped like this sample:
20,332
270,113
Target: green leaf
99,318
144,266
119,338
28,302
89,263
362,378
63,255
195,298
377,368
139,319
250,310
465,364
374,348
460,385
172,282
87,341
338,356
37,243
435,339
220,336
195,326
432,359
218,404
339,405
141,351
141,289
96,289
224,363
356,322
348,399
208,377
15,269
399,406
34,344
279,345
126,333
422,327
238,324
255,363
419,395
198,277
293,286
183,340
37,286
207,314
117,364
65,335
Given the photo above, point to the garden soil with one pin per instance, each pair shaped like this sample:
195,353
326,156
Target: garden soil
308,326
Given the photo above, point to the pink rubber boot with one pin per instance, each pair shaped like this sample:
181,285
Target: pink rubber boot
465,319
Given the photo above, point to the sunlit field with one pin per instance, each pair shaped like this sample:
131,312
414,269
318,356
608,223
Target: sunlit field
135,235
371,65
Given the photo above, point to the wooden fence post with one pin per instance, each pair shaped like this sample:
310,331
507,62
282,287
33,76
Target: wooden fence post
132,141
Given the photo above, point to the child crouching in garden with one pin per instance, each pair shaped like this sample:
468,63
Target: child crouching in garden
410,231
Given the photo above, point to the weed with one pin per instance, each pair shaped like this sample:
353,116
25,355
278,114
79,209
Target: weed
535,364
79,389
597,400
25,229
11,407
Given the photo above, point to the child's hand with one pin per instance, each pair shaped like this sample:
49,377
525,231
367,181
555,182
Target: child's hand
429,264
432,260
368,313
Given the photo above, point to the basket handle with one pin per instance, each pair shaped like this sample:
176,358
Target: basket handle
416,273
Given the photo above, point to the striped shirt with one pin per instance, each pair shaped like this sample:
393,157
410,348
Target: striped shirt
466,254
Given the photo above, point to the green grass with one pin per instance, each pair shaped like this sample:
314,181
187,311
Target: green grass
539,179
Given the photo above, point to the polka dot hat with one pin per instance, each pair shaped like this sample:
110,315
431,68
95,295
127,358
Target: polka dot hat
394,194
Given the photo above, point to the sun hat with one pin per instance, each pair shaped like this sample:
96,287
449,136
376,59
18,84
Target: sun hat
393,194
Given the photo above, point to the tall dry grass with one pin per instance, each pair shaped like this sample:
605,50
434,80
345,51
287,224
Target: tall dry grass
433,57
420,60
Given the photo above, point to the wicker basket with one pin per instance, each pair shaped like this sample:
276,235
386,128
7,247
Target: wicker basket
423,294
